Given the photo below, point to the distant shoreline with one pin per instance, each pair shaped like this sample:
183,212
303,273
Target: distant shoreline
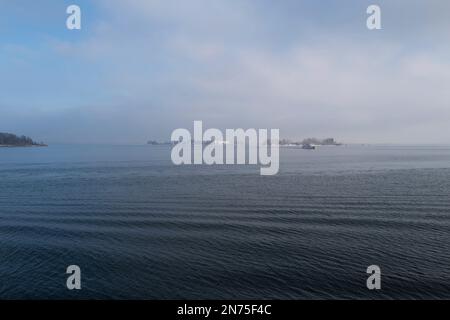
24,146
9,140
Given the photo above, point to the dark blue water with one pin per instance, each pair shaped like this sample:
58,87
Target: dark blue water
142,228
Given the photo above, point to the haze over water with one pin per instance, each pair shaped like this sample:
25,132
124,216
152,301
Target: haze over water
141,228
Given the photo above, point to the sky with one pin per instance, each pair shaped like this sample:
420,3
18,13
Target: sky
139,69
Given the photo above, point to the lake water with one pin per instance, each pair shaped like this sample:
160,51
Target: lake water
142,228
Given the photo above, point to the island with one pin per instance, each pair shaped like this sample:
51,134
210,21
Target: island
157,143
310,142
11,140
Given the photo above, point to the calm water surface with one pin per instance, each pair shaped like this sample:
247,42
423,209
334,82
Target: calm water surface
141,228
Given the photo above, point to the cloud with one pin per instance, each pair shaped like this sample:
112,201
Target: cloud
148,67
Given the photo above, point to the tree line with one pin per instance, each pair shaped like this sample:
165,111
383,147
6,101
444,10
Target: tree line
10,139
